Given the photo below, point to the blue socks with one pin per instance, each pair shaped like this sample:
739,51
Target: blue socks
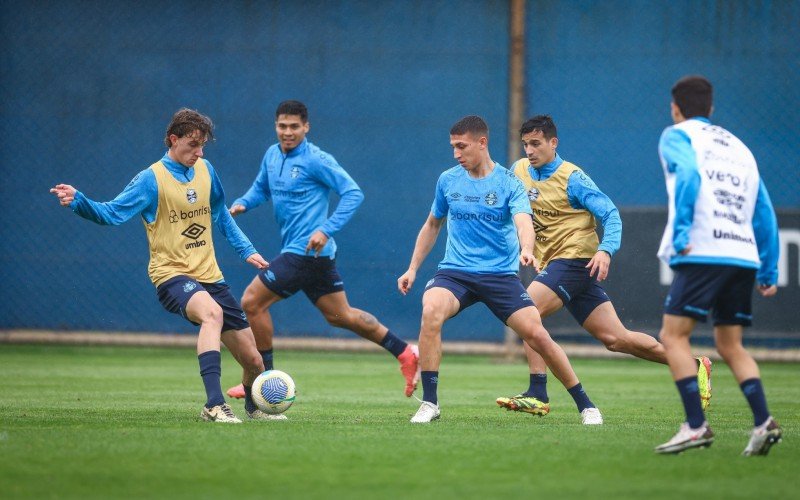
580,397
393,344
538,387
430,382
754,393
266,356
211,370
249,405
690,394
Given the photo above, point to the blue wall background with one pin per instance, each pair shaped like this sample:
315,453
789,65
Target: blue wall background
87,89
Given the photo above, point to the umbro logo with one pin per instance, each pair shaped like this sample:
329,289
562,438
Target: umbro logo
194,231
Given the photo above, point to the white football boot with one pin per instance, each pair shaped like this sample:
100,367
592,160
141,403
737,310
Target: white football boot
220,413
427,412
591,416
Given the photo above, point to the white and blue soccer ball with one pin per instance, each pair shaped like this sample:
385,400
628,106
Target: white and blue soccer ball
273,391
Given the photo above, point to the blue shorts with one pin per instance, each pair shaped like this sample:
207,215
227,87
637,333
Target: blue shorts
570,280
503,294
726,291
315,276
175,293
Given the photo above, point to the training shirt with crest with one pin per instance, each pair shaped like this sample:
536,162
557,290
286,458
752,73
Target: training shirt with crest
481,235
141,197
299,184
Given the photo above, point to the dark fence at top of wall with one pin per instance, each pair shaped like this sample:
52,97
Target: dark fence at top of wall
88,88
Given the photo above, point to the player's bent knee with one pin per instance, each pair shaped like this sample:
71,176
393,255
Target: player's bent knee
212,315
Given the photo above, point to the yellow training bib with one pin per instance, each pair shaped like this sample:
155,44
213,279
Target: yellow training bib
562,232
180,236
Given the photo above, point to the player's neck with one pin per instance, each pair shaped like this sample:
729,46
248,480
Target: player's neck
482,170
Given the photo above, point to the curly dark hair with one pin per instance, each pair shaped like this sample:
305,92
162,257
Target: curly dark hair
185,121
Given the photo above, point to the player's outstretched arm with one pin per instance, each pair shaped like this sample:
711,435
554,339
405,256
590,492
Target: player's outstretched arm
425,240
65,194
527,237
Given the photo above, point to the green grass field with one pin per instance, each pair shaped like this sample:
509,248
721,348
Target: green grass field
97,422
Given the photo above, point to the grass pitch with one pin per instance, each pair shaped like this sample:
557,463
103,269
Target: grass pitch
103,422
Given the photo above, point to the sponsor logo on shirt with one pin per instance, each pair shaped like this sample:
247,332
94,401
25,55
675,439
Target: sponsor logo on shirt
193,232
729,199
455,196
488,217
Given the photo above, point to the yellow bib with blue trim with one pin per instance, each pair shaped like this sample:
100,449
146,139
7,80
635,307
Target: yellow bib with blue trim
562,232
180,236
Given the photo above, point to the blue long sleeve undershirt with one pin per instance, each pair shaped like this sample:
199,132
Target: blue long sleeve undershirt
140,197
583,194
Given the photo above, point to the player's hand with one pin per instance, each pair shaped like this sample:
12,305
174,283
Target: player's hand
526,258
767,290
316,243
599,265
65,194
237,209
257,261
406,281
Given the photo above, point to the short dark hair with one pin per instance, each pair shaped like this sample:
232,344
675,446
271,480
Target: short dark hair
185,122
694,95
471,124
296,108
542,123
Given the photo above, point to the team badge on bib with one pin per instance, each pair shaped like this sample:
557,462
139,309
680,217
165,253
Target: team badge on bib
533,194
191,195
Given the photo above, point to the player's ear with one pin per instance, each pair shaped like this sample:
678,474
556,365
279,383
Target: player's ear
173,139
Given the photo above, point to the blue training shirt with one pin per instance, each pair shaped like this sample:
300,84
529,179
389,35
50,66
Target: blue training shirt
583,194
676,148
299,183
140,197
481,235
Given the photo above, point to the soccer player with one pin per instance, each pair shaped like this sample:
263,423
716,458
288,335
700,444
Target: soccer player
299,177
565,204
489,233
721,238
179,199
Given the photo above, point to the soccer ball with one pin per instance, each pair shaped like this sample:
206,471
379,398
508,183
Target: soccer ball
273,391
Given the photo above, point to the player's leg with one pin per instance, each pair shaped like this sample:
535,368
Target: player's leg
694,432
438,305
604,325
535,399
268,287
732,312
527,323
202,309
324,287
